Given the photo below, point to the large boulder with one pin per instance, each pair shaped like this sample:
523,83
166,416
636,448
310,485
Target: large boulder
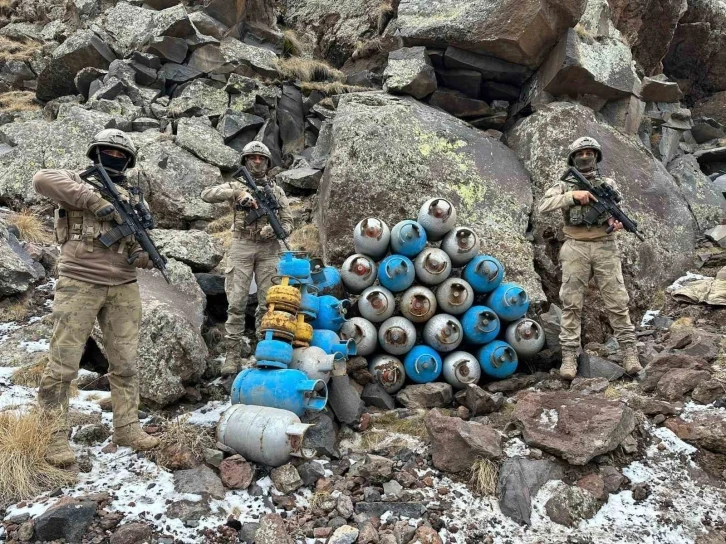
570,426
232,55
707,205
706,429
200,97
521,32
697,52
82,50
195,248
713,107
336,25
456,444
196,135
519,480
410,71
649,27
385,149
129,26
41,144
650,196
172,352
173,180
582,65
17,269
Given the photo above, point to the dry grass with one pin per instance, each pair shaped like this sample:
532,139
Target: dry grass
331,88
309,70
484,476
16,308
221,224
24,439
30,375
224,238
78,419
583,33
612,393
412,426
306,239
31,227
17,49
291,44
181,433
16,101
318,498
659,300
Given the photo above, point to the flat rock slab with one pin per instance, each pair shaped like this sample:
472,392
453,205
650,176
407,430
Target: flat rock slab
572,427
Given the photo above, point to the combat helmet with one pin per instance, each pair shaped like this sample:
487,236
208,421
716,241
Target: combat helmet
115,139
256,148
584,143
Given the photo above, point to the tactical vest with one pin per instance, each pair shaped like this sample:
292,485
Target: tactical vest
83,226
575,215
242,222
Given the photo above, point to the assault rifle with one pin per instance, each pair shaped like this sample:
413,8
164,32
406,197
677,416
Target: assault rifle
135,220
267,205
607,202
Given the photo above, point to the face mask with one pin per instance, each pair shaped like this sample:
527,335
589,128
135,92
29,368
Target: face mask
585,164
258,170
114,165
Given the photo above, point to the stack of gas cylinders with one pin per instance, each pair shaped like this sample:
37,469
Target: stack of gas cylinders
294,362
427,312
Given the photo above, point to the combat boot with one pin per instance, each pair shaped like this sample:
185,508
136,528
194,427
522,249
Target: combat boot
631,364
59,452
568,370
132,435
232,360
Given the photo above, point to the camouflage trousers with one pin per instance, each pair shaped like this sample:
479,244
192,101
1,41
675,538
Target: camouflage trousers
580,262
244,258
76,307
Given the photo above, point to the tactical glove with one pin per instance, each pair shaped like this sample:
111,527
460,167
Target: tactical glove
140,259
266,232
102,209
246,200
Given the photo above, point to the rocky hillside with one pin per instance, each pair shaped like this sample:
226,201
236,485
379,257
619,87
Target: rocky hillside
365,104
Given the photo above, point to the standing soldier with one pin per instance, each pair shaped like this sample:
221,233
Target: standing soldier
254,247
589,251
94,282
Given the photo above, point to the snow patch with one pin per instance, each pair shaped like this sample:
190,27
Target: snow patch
549,418
649,316
36,346
209,414
516,448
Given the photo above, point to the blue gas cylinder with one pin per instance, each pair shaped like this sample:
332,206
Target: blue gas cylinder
326,278
423,364
331,344
408,238
484,273
287,389
271,353
481,325
510,301
396,273
331,313
309,301
497,359
294,266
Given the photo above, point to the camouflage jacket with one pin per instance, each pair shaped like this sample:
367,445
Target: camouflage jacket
83,257
230,191
559,197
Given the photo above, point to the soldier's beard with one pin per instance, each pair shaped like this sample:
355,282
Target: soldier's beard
585,164
258,170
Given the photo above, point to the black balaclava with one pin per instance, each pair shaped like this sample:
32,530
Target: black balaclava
115,166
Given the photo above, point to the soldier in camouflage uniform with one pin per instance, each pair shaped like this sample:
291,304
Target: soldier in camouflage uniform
94,282
589,251
254,248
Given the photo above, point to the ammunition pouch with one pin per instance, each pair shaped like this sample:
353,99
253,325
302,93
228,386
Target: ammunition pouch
60,226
